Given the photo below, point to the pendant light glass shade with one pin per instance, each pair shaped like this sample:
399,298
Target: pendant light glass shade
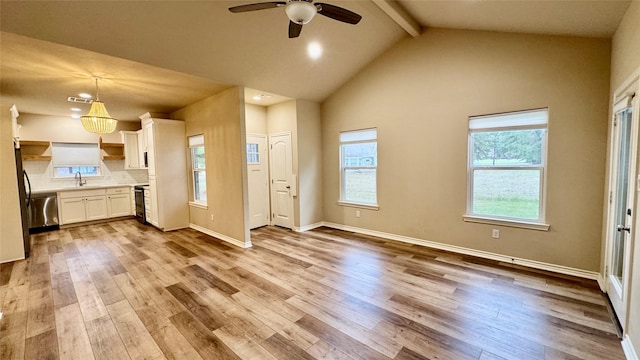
98,119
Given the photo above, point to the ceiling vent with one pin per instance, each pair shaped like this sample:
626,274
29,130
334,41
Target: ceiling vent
79,100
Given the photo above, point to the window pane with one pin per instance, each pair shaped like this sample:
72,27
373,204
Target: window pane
508,193
70,171
508,148
200,183
198,157
361,154
360,186
253,156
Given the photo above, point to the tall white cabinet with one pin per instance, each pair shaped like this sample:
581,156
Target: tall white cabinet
165,145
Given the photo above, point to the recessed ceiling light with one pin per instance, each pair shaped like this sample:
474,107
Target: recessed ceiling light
76,109
75,116
314,50
85,95
262,96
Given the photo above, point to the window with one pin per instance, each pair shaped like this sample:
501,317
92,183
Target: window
253,154
69,159
198,169
358,167
507,158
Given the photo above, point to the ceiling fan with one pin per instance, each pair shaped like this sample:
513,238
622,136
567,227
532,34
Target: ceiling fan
300,12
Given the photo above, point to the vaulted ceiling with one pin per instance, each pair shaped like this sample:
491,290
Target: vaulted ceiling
159,56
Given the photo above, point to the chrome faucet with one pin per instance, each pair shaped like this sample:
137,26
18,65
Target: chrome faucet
78,178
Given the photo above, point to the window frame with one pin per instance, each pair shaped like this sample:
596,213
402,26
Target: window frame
535,224
343,168
194,170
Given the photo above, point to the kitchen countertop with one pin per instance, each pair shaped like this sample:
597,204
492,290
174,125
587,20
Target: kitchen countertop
83,187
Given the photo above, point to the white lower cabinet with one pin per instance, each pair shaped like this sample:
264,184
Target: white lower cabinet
88,205
95,207
118,202
72,211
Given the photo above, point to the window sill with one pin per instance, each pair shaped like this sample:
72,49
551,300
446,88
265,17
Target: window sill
503,222
198,205
356,205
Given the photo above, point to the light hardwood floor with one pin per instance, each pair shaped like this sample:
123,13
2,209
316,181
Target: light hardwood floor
126,291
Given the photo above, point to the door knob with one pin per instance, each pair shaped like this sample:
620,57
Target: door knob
288,187
625,228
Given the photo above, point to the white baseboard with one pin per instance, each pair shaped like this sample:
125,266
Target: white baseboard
629,350
222,237
601,283
308,227
592,275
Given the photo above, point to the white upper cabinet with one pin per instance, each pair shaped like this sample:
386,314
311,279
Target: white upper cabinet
131,150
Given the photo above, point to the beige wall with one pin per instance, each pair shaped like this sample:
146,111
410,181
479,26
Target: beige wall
11,247
420,94
256,118
221,118
66,129
310,162
625,50
625,59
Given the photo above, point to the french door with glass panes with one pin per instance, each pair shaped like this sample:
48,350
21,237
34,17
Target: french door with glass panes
620,230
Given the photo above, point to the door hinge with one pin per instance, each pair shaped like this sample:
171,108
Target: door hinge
610,196
271,146
615,122
606,270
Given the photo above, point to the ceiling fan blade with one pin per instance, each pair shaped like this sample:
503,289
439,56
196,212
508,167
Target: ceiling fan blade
338,13
294,30
257,6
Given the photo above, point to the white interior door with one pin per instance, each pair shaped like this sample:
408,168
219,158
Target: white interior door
280,160
258,177
621,210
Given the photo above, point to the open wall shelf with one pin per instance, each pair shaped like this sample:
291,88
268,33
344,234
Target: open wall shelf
35,150
112,151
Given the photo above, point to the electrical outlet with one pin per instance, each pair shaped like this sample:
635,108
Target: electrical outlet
358,213
495,233
211,217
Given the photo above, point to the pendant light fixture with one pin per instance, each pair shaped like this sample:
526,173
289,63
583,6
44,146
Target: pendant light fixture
98,119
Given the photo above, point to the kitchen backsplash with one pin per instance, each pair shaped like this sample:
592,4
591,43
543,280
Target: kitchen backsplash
113,173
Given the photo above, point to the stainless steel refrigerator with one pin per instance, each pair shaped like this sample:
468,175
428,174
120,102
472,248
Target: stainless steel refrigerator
24,192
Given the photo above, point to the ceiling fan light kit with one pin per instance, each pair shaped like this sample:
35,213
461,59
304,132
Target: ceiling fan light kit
300,12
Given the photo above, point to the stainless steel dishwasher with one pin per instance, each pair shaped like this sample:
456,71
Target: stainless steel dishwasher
43,212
